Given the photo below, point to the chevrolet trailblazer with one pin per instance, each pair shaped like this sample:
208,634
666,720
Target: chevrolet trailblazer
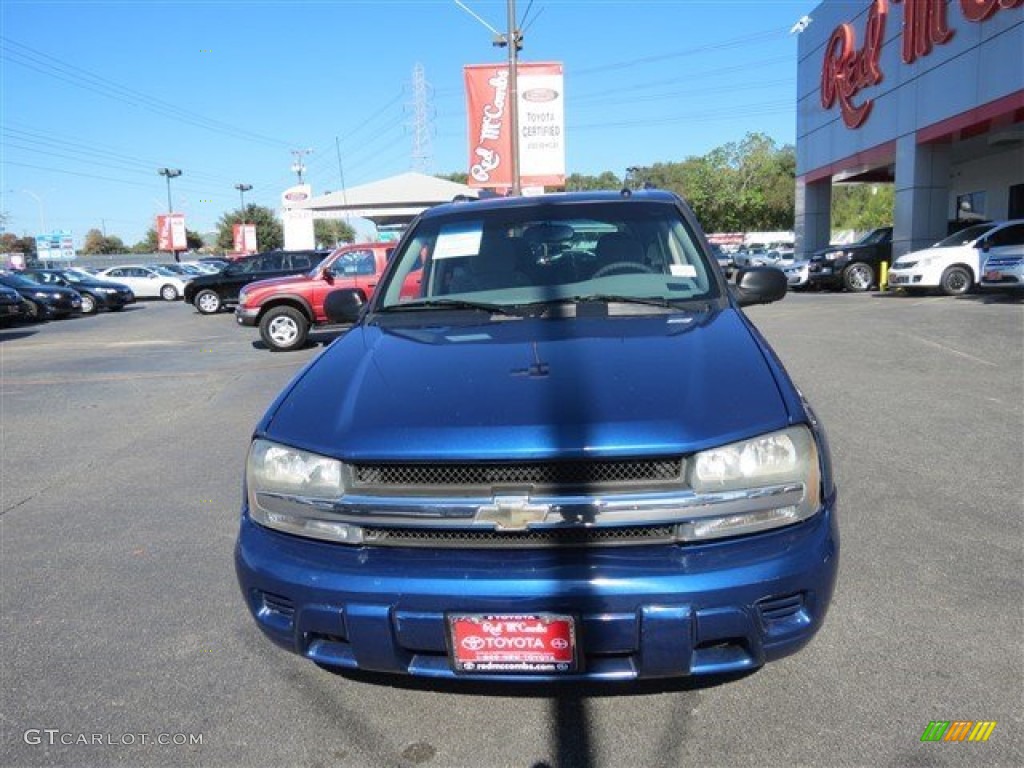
566,454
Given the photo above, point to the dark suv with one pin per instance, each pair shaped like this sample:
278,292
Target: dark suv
210,294
552,447
856,266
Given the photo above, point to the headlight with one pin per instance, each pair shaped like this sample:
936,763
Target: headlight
294,491
776,476
906,264
833,255
44,295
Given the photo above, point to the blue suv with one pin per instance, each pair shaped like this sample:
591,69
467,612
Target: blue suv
551,446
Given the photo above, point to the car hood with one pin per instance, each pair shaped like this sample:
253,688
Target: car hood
533,389
278,282
838,248
946,252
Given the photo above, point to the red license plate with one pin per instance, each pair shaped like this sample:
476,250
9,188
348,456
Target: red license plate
521,644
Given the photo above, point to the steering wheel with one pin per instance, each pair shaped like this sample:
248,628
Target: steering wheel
615,266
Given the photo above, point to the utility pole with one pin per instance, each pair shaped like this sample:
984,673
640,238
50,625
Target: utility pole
514,41
297,165
513,38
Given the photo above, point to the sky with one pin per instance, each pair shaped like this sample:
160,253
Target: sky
96,96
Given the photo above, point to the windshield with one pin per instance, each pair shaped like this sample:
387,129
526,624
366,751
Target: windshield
633,251
875,236
964,236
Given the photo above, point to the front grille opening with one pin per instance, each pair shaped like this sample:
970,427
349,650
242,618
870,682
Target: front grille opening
560,474
548,537
277,604
781,608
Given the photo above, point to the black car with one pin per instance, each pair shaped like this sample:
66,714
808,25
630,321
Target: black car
210,294
854,267
44,301
96,294
12,306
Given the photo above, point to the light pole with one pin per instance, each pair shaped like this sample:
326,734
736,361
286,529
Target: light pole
513,38
42,209
170,173
242,189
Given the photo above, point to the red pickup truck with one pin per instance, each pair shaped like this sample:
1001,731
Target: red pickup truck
285,308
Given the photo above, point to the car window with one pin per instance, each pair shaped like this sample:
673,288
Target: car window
964,236
529,254
354,263
270,263
1011,235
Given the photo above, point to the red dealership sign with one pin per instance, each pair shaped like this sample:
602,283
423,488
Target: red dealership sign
170,232
541,125
847,69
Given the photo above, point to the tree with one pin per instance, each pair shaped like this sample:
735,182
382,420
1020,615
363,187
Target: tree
458,177
580,182
11,243
96,242
862,206
269,231
331,232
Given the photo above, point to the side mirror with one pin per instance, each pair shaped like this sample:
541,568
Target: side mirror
326,275
344,305
760,285
985,245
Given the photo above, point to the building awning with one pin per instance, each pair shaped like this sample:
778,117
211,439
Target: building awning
394,200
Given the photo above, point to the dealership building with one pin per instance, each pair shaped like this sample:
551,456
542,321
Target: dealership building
925,94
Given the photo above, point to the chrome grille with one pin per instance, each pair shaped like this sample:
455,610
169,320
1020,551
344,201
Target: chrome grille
546,537
568,473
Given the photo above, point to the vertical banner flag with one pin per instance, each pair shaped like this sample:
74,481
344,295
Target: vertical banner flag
244,238
170,232
541,106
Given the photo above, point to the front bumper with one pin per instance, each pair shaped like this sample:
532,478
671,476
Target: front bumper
655,611
248,316
828,273
913,278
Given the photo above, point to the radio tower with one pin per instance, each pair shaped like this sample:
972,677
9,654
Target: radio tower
422,114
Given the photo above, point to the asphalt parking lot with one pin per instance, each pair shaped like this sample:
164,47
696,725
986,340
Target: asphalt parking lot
123,439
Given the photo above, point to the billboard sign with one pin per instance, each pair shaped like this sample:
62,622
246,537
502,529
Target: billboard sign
56,246
170,232
541,112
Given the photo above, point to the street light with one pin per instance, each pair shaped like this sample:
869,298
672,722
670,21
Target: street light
242,189
170,173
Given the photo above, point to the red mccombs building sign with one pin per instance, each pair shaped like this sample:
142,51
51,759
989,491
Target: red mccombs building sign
847,68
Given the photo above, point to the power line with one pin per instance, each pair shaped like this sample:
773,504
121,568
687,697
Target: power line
26,56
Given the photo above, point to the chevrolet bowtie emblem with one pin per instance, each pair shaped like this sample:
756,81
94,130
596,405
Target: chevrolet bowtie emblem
512,513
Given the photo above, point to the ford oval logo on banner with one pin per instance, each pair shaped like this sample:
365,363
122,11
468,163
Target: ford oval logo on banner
540,94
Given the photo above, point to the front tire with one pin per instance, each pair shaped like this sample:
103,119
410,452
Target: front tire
88,304
284,328
168,293
956,281
208,302
858,277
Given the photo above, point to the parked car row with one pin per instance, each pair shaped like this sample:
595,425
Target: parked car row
988,255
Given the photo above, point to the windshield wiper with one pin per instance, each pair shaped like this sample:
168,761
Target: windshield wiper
452,304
